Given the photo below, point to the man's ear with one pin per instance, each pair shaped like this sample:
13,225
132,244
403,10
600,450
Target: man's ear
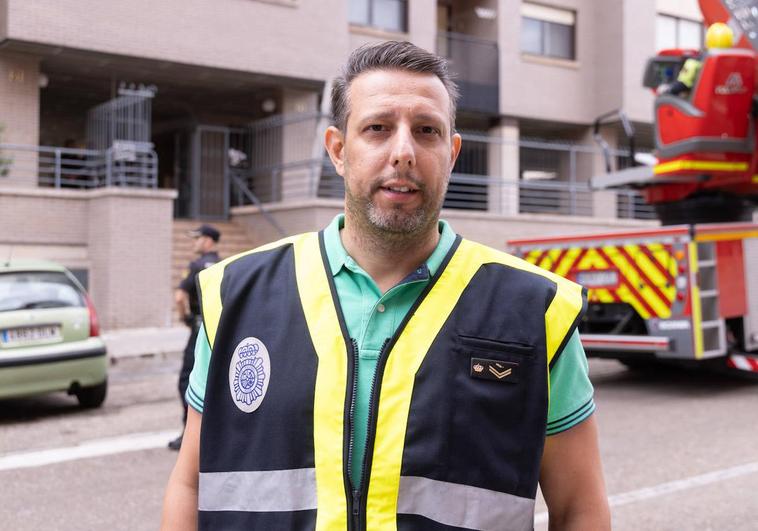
455,149
334,141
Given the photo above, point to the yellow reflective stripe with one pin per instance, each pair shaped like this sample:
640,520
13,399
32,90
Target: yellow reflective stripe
533,255
726,236
602,295
210,287
561,314
331,380
755,179
695,310
397,385
549,261
210,296
411,348
567,264
678,165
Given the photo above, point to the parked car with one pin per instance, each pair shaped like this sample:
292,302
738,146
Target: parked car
49,334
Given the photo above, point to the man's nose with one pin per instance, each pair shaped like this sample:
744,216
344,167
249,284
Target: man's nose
403,152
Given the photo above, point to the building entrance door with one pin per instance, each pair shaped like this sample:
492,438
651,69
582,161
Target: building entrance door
215,153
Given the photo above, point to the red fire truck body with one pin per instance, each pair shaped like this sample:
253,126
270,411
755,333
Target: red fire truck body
684,293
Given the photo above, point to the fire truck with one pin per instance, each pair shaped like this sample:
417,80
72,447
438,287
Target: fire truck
687,292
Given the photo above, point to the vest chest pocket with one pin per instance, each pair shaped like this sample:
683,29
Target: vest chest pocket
505,350
483,423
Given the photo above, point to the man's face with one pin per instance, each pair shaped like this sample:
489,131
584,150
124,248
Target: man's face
397,152
200,244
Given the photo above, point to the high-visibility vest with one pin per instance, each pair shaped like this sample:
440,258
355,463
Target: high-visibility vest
457,413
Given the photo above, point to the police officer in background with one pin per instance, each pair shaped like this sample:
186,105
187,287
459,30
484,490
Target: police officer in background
187,304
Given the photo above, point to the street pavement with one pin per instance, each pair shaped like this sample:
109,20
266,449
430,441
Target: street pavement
679,451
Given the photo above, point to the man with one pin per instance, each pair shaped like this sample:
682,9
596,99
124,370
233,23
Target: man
385,373
188,306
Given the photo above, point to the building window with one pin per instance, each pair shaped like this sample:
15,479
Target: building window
548,31
673,32
383,14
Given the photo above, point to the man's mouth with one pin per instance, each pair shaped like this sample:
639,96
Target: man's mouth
400,186
402,189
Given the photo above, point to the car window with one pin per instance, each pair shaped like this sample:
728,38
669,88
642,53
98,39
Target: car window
37,289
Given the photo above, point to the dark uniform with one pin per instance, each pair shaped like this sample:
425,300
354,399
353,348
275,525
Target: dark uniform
189,285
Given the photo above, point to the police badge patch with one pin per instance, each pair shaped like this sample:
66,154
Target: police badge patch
249,374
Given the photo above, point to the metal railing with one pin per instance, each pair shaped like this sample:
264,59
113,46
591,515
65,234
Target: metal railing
123,164
492,174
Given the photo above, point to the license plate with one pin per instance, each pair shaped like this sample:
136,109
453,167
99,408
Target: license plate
30,334
606,278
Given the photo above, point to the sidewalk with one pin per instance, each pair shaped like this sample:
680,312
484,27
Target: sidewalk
135,342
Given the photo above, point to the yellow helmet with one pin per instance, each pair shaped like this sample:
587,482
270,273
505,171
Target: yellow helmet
719,35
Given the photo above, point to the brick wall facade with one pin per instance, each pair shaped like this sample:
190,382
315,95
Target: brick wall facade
19,109
122,236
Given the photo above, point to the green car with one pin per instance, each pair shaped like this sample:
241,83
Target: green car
49,335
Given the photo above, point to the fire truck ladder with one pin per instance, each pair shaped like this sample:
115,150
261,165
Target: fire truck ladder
712,326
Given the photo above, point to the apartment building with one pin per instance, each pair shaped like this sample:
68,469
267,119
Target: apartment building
118,117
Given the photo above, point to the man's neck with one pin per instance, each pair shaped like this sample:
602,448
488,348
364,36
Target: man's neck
388,261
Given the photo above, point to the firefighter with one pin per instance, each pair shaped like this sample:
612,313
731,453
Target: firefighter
386,373
718,36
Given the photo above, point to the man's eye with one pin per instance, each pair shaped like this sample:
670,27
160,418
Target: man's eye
377,128
429,130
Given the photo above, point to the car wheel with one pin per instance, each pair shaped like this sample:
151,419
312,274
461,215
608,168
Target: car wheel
91,397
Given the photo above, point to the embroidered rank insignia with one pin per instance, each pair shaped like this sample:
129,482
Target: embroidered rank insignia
499,371
249,374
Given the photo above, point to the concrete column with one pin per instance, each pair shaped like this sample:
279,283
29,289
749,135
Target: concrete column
503,168
422,24
299,178
129,239
19,118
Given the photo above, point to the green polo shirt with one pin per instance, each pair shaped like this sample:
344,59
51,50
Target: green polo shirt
372,317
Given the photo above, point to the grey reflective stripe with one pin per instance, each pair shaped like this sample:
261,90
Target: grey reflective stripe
464,506
259,491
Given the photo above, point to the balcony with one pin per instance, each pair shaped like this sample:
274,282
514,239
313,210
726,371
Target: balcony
474,62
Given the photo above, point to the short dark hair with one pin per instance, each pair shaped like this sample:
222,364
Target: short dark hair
389,55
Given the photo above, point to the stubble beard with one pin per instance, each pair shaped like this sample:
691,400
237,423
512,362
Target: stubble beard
393,229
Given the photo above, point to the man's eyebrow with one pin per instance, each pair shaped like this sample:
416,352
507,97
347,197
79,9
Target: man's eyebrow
426,117
382,115
385,115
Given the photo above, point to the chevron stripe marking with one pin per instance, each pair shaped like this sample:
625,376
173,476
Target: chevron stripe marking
559,259
632,290
542,254
665,301
651,256
636,279
744,363
571,261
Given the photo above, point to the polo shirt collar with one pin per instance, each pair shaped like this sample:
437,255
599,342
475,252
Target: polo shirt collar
338,258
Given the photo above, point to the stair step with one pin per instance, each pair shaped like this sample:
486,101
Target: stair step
708,293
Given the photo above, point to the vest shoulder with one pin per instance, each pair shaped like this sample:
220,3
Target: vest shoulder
218,269
490,255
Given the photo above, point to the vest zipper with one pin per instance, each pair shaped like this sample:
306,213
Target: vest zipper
354,498
359,495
